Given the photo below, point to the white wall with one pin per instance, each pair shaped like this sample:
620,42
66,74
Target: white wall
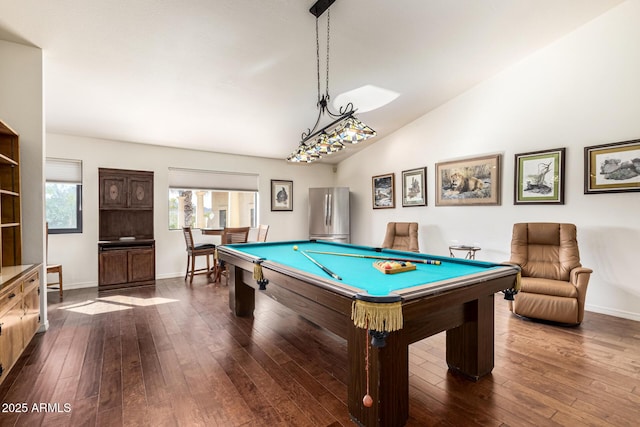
78,253
21,107
582,90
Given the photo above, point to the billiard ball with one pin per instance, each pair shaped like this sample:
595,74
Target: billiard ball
295,247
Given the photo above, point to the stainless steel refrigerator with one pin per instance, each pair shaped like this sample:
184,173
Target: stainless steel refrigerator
329,214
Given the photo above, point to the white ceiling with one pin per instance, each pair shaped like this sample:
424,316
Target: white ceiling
239,76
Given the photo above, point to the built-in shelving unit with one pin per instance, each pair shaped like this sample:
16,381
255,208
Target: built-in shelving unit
10,214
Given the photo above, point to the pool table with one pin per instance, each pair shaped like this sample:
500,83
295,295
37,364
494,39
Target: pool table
456,296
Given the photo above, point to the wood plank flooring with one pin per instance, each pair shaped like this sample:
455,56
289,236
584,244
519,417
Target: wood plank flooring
177,356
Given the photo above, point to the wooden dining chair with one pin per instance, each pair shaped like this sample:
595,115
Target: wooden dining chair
195,250
263,229
231,235
53,268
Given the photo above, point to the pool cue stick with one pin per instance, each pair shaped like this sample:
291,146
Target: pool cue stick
325,269
421,261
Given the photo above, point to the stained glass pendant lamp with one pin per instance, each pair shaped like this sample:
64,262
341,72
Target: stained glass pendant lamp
344,127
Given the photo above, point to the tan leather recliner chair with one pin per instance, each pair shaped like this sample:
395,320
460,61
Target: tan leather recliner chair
402,236
554,283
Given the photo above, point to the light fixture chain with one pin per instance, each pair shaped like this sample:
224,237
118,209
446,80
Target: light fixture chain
328,32
318,59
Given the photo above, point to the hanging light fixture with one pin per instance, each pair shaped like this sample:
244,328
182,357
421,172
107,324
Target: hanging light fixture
344,127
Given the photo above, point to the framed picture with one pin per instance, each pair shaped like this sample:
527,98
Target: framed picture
414,189
539,178
281,195
382,191
612,168
473,181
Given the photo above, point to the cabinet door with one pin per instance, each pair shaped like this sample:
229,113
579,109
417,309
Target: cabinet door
112,267
11,332
113,191
141,192
31,307
142,265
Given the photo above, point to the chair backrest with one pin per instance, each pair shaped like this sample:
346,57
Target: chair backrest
188,237
545,250
235,235
402,236
262,233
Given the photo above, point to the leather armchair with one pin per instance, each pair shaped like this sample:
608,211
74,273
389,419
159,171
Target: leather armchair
402,236
554,283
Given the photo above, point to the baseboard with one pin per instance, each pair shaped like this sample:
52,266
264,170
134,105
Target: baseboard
68,286
95,284
169,275
616,313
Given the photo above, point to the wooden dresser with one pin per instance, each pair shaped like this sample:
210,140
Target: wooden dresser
19,312
126,250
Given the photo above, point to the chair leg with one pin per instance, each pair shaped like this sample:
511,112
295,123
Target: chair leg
60,280
186,273
193,267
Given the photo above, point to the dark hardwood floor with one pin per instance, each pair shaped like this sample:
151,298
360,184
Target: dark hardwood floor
177,356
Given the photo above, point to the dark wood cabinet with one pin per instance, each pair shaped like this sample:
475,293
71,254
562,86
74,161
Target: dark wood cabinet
112,266
141,192
126,264
141,264
113,193
122,189
126,248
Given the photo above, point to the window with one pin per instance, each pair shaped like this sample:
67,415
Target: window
210,199
63,195
211,208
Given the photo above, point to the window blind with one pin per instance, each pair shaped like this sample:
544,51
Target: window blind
63,171
212,180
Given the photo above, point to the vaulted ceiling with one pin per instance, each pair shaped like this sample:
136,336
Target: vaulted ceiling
239,76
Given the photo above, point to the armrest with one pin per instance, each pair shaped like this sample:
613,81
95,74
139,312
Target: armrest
579,277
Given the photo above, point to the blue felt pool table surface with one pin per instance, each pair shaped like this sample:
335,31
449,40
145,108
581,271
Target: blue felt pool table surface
360,272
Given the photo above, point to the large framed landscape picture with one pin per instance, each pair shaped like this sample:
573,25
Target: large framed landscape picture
382,191
469,182
539,177
612,168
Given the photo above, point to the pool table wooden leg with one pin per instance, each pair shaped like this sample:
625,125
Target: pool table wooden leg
242,298
470,345
388,379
